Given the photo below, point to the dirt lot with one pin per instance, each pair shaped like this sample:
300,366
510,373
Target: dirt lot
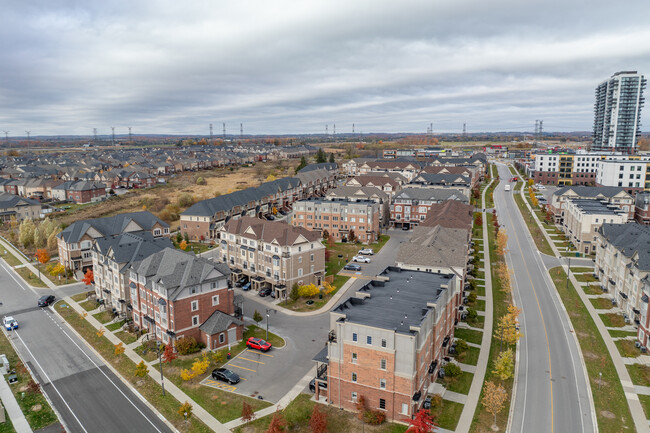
218,182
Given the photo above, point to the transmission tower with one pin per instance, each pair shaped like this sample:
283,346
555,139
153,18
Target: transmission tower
211,133
326,131
113,134
541,129
224,130
6,138
130,136
353,128
464,129
334,131
241,130
28,139
536,130
95,134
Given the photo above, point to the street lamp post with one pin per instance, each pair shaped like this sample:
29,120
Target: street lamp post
162,378
568,271
267,324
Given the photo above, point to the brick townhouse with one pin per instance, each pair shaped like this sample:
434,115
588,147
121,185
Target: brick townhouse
112,256
272,254
411,206
339,217
175,295
76,240
387,343
80,191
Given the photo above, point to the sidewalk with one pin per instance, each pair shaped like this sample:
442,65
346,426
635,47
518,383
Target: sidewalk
13,410
638,415
474,394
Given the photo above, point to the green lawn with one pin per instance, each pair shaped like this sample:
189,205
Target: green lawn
578,270
80,296
9,257
115,326
612,320
469,335
616,333
585,278
460,384
640,374
592,289
7,426
540,241
645,403
480,290
627,348
478,322
89,305
146,386
608,396
478,305
470,356
601,303
36,419
103,316
30,278
447,414
126,337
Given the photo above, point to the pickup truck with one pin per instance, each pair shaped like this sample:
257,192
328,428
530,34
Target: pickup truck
507,188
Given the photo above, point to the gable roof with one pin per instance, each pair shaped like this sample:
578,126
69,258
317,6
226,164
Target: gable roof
108,226
219,322
630,239
591,191
450,214
127,248
268,231
433,194
435,247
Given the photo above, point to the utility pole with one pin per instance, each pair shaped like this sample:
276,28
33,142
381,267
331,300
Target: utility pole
353,129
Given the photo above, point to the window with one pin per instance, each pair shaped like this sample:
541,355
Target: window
382,364
382,383
300,272
368,339
405,409
354,377
195,305
354,336
222,338
354,397
192,290
215,300
382,403
195,320
354,358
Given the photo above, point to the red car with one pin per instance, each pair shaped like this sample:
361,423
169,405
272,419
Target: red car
259,344
514,179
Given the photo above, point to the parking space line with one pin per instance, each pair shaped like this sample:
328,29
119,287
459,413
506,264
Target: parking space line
243,368
259,353
251,360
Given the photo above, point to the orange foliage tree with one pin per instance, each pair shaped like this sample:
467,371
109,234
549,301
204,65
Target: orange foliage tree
89,277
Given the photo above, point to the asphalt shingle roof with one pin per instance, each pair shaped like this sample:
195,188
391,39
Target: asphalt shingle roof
110,225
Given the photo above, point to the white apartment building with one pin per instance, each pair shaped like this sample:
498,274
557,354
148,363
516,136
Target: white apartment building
582,218
632,175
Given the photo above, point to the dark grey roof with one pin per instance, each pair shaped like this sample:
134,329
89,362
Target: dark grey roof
219,322
110,225
441,178
591,191
396,304
629,239
329,166
591,206
176,269
131,247
10,200
434,194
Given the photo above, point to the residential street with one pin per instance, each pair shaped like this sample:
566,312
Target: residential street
551,393
85,392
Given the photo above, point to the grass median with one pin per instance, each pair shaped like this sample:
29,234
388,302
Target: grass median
537,234
167,405
612,411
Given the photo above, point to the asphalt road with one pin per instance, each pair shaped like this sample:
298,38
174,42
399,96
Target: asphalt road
84,391
552,390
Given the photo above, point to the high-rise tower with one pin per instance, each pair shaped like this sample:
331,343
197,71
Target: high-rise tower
617,112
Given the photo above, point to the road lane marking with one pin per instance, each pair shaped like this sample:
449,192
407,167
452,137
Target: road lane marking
105,375
243,368
50,380
215,384
251,360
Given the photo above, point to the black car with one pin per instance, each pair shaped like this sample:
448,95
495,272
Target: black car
46,300
321,384
240,282
225,375
266,292
270,217
352,267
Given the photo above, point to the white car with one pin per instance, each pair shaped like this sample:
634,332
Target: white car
367,252
361,259
9,323
541,187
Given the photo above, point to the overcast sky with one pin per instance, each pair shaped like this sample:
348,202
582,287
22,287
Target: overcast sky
282,67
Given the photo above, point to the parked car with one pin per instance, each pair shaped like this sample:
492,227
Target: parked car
266,291
321,384
9,323
361,259
352,267
258,344
269,217
541,187
225,375
246,287
366,252
240,282
46,300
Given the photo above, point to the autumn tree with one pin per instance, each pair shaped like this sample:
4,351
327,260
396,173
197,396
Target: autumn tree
257,317
52,239
200,365
494,398
42,255
185,410
504,365
168,354
57,270
422,422
478,220
141,370
318,421
247,414
502,242
277,423
119,348
89,277
183,245
26,232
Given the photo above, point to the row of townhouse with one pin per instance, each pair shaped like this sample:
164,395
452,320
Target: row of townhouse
623,267
411,206
583,217
341,218
271,254
13,207
388,342
354,193
450,181
383,182
126,178
409,166
80,191
75,242
203,220
615,196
